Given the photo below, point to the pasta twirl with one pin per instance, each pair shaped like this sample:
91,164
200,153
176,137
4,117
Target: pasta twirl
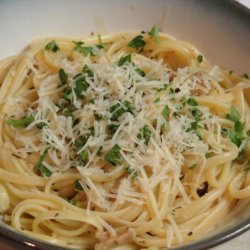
130,140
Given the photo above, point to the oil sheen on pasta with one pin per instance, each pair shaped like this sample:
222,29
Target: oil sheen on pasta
130,140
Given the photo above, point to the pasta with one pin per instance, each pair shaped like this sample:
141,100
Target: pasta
129,140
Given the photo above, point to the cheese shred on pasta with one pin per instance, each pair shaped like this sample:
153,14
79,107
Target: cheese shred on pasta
130,140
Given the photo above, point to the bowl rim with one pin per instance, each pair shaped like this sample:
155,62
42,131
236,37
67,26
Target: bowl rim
23,241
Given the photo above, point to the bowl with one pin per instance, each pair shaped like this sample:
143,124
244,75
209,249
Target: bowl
220,29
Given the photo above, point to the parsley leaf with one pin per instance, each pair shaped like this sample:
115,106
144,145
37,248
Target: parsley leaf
124,59
245,75
199,58
154,33
100,45
234,114
209,154
113,156
87,70
40,168
67,94
145,133
78,185
137,42
119,109
81,141
81,85
63,76
140,72
193,166
165,112
20,123
84,156
52,46
112,128
192,102
131,171
83,50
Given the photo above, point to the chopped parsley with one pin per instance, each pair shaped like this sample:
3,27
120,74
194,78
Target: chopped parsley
165,112
100,45
113,156
78,185
192,102
20,123
84,156
137,42
199,58
63,76
193,166
236,135
145,133
112,128
87,70
83,50
124,59
97,116
67,94
209,154
234,114
80,141
131,171
140,72
40,168
120,108
53,46
245,75
81,85
158,99
196,113
154,33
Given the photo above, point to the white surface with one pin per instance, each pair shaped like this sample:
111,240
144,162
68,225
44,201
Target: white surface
22,20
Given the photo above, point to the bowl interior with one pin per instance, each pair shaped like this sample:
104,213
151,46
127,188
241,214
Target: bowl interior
220,29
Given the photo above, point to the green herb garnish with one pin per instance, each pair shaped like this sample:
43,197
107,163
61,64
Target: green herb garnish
100,45
81,85
84,156
20,123
40,168
63,76
52,46
97,116
113,156
119,109
112,128
245,75
234,114
165,112
67,94
193,166
83,50
154,33
192,102
199,58
209,154
158,99
145,133
87,70
78,185
140,72
124,59
131,171
137,42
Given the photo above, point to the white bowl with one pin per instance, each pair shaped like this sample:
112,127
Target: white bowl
220,29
